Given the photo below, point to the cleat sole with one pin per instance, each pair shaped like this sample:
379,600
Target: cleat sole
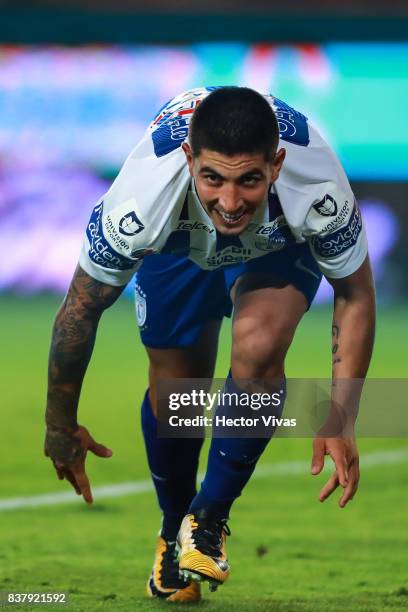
190,575
198,577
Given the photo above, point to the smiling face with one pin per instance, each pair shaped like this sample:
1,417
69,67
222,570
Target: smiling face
232,188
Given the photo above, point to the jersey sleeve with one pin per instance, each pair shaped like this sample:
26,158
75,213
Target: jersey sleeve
107,255
131,219
333,224
336,233
320,206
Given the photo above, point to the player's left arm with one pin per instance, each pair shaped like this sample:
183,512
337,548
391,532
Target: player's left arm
352,343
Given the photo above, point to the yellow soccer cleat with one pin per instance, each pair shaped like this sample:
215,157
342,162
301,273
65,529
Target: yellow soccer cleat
165,582
202,549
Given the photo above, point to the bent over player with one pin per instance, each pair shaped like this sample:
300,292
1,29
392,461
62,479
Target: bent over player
230,200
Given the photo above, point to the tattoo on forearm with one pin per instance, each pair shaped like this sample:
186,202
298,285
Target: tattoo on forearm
335,342
72,344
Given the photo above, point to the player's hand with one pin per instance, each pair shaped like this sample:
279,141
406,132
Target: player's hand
344,453
68,450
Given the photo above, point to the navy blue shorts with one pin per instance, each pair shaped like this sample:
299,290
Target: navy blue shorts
175,298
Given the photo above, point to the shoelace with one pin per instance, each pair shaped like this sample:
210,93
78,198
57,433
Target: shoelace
207,536
170,569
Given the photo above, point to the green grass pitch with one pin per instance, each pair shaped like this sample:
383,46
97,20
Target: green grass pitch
287,551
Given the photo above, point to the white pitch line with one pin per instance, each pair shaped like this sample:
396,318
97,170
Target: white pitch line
134,488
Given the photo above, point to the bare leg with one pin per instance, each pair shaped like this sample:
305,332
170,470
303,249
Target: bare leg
195,361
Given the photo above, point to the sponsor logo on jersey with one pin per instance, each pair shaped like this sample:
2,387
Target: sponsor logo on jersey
229,255
194,225
169,136
114,236
343,239
326,207
185,103
266,229
170,128
130,225
339,220
292,124
100,251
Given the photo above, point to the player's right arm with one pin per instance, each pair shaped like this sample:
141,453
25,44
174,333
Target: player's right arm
73,338
125,225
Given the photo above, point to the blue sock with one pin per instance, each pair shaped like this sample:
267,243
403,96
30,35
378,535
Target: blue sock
231,462
173,464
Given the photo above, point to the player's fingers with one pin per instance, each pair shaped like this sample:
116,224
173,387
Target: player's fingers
83,483
330,486
341,467
100,450
352,486
59,469
318,456
70,477
347,496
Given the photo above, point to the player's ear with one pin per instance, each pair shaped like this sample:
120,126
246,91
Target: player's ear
277,163
189,156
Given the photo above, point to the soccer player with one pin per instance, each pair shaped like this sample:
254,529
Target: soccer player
230,200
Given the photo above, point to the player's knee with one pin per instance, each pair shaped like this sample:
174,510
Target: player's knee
242,452
259,348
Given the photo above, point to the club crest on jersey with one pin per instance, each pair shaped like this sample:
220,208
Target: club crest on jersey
273,236
130,225
140,306
327,207
271,243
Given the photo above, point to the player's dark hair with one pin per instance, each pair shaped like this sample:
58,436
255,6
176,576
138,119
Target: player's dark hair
234,120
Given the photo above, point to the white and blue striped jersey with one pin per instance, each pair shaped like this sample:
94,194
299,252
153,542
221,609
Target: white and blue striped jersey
152,206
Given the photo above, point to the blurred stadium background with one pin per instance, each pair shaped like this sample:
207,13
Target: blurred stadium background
79,81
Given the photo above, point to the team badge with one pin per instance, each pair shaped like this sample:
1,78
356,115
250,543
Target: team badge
326,207
271,243
140,305
130,225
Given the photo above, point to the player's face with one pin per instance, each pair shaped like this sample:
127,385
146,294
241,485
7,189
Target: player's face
231,189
